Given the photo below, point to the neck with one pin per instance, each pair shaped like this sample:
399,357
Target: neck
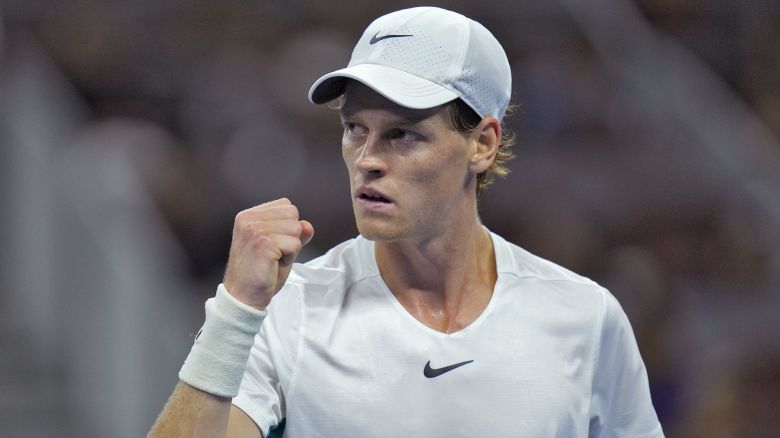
446,280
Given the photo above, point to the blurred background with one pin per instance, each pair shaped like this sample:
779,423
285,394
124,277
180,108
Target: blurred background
131,133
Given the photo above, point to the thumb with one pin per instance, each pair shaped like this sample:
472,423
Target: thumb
307,232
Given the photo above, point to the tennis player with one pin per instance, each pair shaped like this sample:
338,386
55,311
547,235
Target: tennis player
426,324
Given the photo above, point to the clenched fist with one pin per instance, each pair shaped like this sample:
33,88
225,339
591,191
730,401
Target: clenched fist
266,240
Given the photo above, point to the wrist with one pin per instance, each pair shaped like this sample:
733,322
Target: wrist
221,349
240,294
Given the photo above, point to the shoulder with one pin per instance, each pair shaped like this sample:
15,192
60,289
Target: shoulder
514,261
320,284
550,286
351,260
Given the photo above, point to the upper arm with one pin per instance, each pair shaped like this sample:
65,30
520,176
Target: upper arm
241,426
261,399
620,398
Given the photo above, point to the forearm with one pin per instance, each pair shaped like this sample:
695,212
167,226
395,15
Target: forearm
266,241
211,375
191,412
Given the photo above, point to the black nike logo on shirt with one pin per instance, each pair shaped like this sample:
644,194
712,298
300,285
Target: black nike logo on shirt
376,38
435,372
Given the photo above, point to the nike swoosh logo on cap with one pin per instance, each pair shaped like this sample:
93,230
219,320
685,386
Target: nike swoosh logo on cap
435,372
376,38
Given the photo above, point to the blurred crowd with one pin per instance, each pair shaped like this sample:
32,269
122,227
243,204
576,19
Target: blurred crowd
131,133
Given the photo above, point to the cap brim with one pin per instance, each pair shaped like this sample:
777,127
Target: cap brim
401,87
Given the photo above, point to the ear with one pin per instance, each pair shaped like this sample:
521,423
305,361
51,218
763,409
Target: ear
487,137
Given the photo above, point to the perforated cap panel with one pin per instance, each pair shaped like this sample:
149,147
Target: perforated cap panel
441,54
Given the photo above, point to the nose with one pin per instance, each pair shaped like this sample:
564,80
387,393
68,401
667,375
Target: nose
370,159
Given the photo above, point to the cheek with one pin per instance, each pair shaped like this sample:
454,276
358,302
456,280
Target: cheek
442,164
434,178
430,179
346,155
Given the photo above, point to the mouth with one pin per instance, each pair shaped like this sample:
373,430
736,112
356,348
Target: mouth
371,196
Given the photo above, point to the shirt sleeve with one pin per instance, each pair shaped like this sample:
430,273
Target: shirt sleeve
620,398
271,361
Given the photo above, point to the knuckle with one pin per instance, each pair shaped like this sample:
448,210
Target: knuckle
240,217
296,228
260,236
292,211
263,243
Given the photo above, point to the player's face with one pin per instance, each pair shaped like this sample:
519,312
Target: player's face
409,169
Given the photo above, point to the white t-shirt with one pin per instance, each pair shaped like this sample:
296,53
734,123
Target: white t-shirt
552,355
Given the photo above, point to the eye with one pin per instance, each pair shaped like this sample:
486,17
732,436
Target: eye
404,135
354,129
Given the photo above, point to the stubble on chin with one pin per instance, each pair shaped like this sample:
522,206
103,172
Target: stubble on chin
378,232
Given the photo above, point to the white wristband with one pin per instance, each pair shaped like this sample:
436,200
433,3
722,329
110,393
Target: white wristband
219,355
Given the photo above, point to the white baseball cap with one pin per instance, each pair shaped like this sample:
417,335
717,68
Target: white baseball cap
424,57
